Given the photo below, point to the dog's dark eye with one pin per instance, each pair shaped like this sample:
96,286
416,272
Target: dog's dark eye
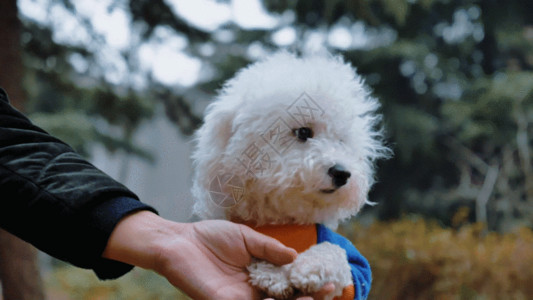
303,133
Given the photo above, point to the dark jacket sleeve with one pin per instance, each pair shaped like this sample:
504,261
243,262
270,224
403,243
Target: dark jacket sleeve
56,200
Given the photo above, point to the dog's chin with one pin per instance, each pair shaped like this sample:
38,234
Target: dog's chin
294,206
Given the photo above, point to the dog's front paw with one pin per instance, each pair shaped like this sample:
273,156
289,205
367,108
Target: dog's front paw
272,280
318,265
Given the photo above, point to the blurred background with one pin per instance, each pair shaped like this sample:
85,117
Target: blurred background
125,83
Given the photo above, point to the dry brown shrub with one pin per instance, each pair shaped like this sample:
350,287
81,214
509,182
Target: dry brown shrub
416,259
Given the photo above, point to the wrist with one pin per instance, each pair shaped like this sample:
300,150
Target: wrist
138,239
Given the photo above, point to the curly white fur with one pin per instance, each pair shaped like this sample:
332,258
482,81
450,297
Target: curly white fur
248,151
289,189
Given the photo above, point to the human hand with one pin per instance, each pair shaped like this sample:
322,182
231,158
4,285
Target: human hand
206,260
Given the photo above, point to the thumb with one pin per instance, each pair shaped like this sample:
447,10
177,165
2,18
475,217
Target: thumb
267,248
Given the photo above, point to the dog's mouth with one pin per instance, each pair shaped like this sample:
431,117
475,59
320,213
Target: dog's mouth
328,191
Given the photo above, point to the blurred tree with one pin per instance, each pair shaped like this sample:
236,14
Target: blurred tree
19,272
458,104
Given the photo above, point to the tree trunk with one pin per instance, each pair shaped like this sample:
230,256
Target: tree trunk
19,270
10,58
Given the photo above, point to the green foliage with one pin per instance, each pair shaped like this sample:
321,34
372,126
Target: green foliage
399,9
417,259
415,128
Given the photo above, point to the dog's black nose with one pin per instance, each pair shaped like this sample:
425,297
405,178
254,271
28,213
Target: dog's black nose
339,175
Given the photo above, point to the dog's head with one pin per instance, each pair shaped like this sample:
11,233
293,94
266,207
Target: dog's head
288,140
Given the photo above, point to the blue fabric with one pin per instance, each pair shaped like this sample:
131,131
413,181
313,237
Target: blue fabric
361,273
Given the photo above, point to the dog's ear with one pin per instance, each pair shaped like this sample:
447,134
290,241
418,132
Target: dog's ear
216,131
212,140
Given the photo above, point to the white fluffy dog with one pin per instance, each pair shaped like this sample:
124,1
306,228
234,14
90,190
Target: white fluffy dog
292,141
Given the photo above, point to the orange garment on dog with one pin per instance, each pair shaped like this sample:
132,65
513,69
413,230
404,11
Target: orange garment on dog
300,238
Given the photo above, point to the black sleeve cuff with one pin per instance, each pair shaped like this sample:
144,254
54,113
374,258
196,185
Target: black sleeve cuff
104,217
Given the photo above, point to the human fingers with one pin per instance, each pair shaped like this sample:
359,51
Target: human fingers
267,248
